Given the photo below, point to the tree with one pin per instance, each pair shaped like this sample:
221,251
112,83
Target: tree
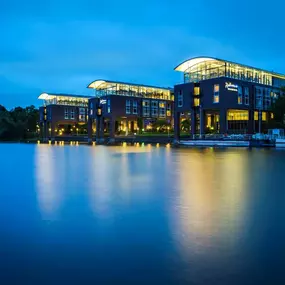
19,123
185,125
162,124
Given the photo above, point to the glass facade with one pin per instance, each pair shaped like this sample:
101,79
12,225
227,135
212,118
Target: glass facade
199,69
126,89
66,100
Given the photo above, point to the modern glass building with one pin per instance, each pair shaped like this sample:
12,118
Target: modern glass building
220,96
127,108
62,113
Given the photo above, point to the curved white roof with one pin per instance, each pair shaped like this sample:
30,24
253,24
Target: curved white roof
191,62
196,60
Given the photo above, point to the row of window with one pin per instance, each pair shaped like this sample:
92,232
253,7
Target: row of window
69,114
242,96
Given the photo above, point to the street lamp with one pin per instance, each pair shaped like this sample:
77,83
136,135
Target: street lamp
168,128
77,130
49,132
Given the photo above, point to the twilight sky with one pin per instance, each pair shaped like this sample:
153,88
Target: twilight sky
61,46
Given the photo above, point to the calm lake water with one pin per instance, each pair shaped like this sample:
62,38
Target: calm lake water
140,215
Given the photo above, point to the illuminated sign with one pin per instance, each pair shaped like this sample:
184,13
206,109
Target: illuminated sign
231,87
103,101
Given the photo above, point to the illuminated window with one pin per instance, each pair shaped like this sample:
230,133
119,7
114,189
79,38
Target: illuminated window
82,114
161,105
216,97
264,116
239,95
196,91
128,106
196,102
271,115
66,116
246,95
180,98
237,115
168,111
72,114
135,107
256,116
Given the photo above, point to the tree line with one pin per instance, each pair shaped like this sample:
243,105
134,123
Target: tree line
19,123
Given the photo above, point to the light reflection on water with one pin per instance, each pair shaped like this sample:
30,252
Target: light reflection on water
152,214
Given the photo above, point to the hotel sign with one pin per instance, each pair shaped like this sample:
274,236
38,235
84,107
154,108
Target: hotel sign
103,101
231,87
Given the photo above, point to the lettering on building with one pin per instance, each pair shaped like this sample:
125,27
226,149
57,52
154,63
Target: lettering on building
231,87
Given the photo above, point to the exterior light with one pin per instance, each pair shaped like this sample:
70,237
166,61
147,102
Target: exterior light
49,129
143,130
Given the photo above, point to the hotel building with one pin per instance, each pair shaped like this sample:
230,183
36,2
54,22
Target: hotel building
62,114
126,108
224,97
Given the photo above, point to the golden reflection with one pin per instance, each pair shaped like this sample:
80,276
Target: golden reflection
212,187
47,181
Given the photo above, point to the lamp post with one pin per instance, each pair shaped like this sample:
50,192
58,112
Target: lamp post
168,130
49,132
77,131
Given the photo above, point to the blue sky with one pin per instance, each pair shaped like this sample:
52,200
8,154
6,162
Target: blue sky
61,46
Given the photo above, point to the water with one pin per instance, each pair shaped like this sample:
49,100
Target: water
141,215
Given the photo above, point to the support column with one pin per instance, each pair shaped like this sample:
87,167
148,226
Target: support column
112,128
89,130
52,133
101,128
250,122
45,131
223,121
177,126
127,127
202,124
193,122
97,128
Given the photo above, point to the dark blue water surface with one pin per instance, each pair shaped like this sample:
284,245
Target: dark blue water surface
141,215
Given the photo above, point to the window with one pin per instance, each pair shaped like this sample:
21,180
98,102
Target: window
216,98
146,108
82,116
154,108
128,106
135,107
180,98
258,98
239,95
66,117
196,102
162,112
162,106
72,114
196,91
109,106
168,112
246,95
